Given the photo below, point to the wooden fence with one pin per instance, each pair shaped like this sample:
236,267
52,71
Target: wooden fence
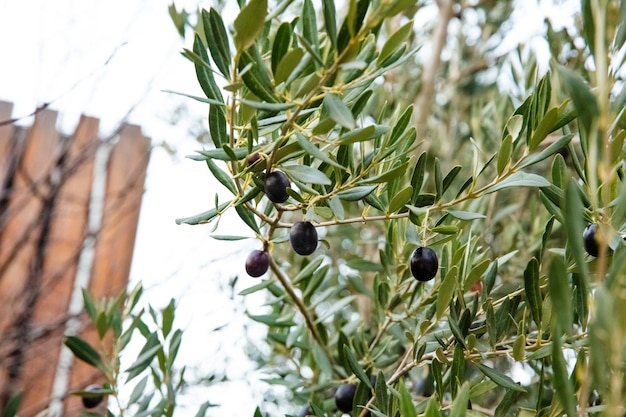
69,208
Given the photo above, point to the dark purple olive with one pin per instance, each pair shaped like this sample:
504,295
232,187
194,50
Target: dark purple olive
303,238
344,397
257,263
305,411
92,401
424,264
276,183
590,240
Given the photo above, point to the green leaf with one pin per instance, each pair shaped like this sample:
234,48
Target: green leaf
168,318
145,357
394,40
388,175
432,408
338,111
248,218
200,99
449,178
249,24
364,265
457,370
261,105
273,320
222,155
438,179
584,100
354,366
465,215
217,126
327,312
562,383
400,199
573,212
203,409
519,179
217,40
223,177
459,407
407,408
282,42
13,404
446,290
382,396
138,390
204,72
356,193
417,178
533,290
90,307
504,154
560,294
287,65
306,174
400,126
499,378
330,21
309,24
229,238
203,217
83,351
548,151
506,403
362,134
313,150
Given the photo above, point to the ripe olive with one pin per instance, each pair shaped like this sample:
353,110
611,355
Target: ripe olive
424,264
276,183
253,159
590,239
305,411
92,401
303,238
257,263
344,397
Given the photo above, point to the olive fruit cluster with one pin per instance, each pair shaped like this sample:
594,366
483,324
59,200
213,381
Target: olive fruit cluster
424,264
92,401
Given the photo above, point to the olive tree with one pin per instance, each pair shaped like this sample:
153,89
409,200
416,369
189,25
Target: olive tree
432,240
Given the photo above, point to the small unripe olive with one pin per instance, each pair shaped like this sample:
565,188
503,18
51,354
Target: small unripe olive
276,183
257,263
424,264
303,238
94,400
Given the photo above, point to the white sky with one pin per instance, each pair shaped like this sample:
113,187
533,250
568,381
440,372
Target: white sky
56,51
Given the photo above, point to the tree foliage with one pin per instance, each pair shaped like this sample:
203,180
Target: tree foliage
499,176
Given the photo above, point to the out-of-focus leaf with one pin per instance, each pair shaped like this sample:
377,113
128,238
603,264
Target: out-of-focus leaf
573,211
533,290
83,350
584,100
499,378
10,410
249,23
562,383
330,20
459,406
446,290
465,215
407,408
288,64
560,294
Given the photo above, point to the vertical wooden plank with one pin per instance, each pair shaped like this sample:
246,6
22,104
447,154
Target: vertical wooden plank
64,242
126,172
6,142
18,241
